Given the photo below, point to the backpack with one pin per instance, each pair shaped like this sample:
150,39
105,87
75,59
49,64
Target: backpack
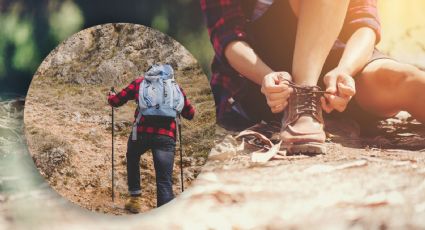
159,94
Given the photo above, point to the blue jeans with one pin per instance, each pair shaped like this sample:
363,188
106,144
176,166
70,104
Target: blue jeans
163,148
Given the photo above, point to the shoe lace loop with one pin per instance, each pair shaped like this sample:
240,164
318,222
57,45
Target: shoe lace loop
307,98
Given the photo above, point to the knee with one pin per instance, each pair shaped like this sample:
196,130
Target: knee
387,76
387,85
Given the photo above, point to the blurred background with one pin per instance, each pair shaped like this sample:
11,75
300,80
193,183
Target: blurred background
30,29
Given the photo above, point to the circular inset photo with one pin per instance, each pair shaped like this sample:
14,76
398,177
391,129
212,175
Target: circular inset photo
119,118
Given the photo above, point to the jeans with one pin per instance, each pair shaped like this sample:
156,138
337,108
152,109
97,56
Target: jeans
163,148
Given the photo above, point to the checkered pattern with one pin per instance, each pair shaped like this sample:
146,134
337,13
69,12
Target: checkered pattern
150,124
226,22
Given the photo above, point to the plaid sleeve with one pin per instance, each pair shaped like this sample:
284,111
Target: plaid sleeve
188,111
226,23
361,13
128,93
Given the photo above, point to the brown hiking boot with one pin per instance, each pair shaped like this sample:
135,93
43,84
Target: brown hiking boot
302,124
133,204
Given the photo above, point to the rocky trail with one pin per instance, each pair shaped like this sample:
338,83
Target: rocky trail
68,127
361,183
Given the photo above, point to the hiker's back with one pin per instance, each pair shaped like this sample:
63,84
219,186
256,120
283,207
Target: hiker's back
159,94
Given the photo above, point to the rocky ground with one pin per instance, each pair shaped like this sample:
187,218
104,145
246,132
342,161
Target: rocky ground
372,183
68,120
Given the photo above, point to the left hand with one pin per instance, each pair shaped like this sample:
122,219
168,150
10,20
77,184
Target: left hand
341,87
276,91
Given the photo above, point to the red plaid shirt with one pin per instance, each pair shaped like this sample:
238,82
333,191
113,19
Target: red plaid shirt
150,124
226,22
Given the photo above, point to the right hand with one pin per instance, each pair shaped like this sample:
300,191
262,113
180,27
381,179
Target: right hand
341,88
276,91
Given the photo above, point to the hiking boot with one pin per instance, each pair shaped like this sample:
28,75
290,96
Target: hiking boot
133,204
302,124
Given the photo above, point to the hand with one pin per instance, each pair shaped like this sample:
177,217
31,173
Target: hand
341,87
276,91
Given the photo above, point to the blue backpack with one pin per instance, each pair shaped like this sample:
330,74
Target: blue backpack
159,94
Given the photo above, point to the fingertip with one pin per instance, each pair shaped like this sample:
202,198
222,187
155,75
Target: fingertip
345,89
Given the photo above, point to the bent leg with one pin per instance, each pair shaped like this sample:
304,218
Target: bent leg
134,150
163,158
386,87
319,23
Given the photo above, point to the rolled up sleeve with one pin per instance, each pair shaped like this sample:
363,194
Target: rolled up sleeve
188,111
226,23
361,13
128,93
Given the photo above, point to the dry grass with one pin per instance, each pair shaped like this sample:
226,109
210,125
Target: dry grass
54,153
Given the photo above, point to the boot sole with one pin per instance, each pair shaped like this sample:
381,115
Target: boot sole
309,148
132,210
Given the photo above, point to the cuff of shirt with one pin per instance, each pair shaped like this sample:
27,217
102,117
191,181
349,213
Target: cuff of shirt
226,39
113,100
365,22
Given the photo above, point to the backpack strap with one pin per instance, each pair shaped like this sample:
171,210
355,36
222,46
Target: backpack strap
180,105
139,114
172,93
134,131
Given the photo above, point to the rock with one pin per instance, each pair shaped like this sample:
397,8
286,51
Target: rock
188,161
113,53
77,117
188,174
403,115
93,132
226,149
51,160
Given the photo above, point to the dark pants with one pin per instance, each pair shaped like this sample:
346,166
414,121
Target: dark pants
163,148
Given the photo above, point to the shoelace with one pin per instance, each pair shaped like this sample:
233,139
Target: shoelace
308,97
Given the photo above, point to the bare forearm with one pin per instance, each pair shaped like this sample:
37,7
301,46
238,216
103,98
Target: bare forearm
358,51
319,24
244,60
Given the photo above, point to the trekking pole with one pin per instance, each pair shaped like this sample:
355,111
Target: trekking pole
181,151
113,125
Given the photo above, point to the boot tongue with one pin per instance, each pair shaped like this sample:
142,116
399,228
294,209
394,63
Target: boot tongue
308,102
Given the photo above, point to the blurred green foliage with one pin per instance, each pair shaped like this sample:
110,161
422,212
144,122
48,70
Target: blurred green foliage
30,29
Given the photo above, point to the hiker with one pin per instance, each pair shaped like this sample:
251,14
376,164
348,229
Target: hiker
155,129
272,58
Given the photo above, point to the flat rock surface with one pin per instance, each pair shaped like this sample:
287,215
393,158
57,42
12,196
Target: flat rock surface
361,182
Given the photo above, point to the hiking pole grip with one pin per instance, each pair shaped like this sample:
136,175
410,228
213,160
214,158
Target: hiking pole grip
113,132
